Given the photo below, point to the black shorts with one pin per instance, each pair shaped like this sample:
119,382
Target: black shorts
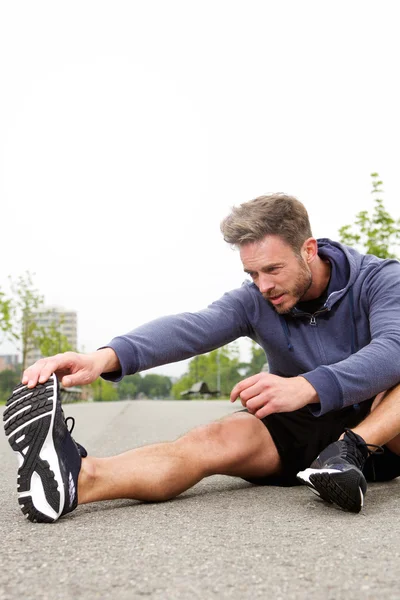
300,436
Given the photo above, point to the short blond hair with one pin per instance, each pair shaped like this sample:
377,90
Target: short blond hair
273,214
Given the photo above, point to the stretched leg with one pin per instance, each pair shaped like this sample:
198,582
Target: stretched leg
238,445
55,472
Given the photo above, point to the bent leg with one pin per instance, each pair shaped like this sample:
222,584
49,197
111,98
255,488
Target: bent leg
382,425
239,445
340,473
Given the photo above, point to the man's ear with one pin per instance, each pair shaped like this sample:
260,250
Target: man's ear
309,250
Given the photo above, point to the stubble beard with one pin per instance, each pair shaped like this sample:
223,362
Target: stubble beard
297,292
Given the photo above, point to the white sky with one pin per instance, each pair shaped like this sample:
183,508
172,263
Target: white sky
129,128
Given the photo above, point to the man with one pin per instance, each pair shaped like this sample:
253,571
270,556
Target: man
328,319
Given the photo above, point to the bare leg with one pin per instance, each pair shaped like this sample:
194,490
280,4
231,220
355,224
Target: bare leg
239,445
382,426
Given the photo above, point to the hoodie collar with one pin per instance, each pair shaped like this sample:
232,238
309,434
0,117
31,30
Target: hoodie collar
344,268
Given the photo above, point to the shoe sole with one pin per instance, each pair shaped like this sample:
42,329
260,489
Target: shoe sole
28,423
303,477
334,486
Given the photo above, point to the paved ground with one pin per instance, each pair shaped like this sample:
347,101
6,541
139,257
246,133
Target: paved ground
222,539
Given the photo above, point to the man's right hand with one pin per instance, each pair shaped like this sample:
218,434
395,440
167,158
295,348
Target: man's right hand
72,368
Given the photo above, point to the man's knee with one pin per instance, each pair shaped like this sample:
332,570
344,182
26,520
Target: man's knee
225,432
234,440
217,436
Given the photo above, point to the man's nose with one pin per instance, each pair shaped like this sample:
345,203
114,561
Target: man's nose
265,284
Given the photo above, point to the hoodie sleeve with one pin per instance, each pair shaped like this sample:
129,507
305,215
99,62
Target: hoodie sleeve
375,367
177,337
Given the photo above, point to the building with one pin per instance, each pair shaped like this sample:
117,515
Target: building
64,320
8,361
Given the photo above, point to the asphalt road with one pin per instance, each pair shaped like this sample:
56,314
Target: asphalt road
222,539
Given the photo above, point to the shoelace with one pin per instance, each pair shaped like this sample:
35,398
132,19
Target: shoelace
82,450
73,424
363,450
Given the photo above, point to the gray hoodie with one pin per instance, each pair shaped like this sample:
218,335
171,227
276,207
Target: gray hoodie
349,350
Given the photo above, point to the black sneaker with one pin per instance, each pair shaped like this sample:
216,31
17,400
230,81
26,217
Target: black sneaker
336,474
49,459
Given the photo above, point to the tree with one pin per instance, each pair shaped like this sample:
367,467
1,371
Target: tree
8,380
257,361
218,368
151,385
184,383
128,388
25,301
156,386
374,234
49,340
5,315
19,320
104,391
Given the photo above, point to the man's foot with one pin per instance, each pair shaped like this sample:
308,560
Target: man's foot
336,474
49,459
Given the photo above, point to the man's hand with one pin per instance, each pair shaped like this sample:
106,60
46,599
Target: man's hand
264,394
72,368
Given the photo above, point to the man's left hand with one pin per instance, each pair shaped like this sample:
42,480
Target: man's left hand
264,394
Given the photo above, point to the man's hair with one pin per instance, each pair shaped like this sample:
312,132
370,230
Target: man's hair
273,214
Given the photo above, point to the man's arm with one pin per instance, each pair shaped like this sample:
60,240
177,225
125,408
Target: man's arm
178,337
264,394
72,368
159,342
376,366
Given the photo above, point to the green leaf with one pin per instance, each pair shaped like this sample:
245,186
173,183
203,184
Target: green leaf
377,233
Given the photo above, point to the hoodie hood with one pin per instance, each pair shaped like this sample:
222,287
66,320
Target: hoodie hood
346,264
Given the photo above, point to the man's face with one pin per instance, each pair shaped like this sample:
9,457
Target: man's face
282,277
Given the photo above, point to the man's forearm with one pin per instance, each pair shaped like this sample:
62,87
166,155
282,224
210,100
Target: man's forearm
107,360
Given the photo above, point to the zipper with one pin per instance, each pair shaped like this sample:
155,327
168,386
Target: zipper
312,317
312,320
